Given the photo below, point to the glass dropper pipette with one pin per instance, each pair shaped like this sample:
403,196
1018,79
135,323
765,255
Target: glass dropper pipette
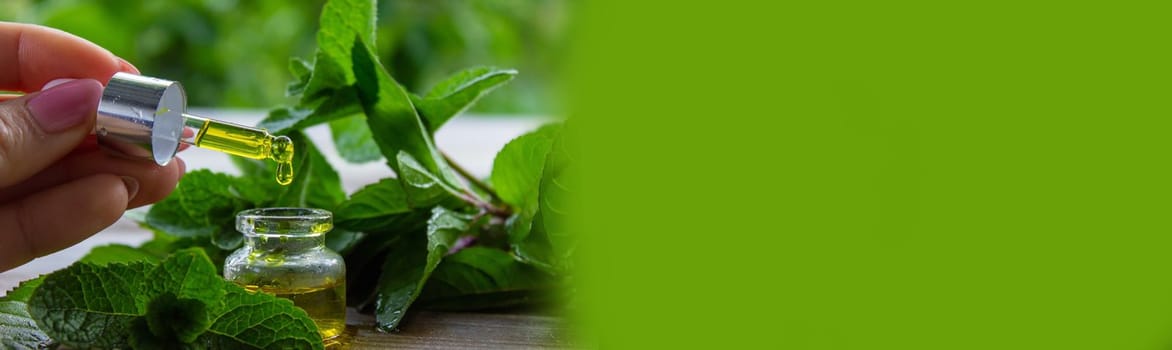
145,117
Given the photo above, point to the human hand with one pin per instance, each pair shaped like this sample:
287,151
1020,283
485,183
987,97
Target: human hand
56,186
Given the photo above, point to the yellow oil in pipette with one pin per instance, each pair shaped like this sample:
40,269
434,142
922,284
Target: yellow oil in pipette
245,142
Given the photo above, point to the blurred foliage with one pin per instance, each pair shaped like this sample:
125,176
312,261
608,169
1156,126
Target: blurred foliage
234,53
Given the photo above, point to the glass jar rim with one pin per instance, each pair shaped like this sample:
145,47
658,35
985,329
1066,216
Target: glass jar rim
284,221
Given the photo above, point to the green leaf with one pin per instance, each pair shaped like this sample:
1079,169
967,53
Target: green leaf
301,70
86,305
555,198
458,92
255,185
170,321
18,330
371,208
24,291
483,278
160,246
364,266
185,274
409,264
340,103
227,239
260,321
530,243
403,270
517,169
283,119
423,188
389,204
341,22
163,245
544,239
392,119
197,207
342,240
117,253
179,302
353,140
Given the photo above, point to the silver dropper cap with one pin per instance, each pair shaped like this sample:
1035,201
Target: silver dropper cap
141,117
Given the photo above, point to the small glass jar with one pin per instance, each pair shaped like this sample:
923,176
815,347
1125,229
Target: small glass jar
285,255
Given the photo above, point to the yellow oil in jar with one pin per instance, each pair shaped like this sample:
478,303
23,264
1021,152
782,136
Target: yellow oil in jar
249,143
326,305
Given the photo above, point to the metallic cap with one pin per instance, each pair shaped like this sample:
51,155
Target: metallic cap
141,117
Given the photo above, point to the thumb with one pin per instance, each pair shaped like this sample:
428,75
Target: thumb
39,128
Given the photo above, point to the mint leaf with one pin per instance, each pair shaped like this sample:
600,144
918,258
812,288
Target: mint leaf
197,206
188,274
170,320
390,204
541,237
301,70
18,330
353,139
409,264
517,168
371,208
24,290
392,119
557,184
341,22
482,278
260,321
180,302
458,92
343,240
423,188
406,261
86,305
163,245
280,120
340,103
117,253
205,205
255,184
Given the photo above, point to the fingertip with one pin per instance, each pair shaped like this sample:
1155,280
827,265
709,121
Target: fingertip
131,188
182,166
160,184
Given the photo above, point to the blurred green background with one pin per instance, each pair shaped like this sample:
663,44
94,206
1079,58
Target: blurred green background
234,53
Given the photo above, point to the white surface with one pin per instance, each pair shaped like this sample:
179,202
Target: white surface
470,141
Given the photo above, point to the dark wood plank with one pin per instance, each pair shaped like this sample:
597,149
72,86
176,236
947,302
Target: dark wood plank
452,330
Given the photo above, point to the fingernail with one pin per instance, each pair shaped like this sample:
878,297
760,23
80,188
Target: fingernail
65,105
56,82
131,187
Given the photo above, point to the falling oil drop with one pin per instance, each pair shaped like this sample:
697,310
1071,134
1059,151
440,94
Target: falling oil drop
282,152
284,173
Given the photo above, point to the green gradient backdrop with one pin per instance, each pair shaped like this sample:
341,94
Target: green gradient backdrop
876,175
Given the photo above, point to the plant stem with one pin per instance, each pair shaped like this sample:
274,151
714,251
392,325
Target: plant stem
485,206
471,178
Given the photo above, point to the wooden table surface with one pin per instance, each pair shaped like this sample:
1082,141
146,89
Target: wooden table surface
471,141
